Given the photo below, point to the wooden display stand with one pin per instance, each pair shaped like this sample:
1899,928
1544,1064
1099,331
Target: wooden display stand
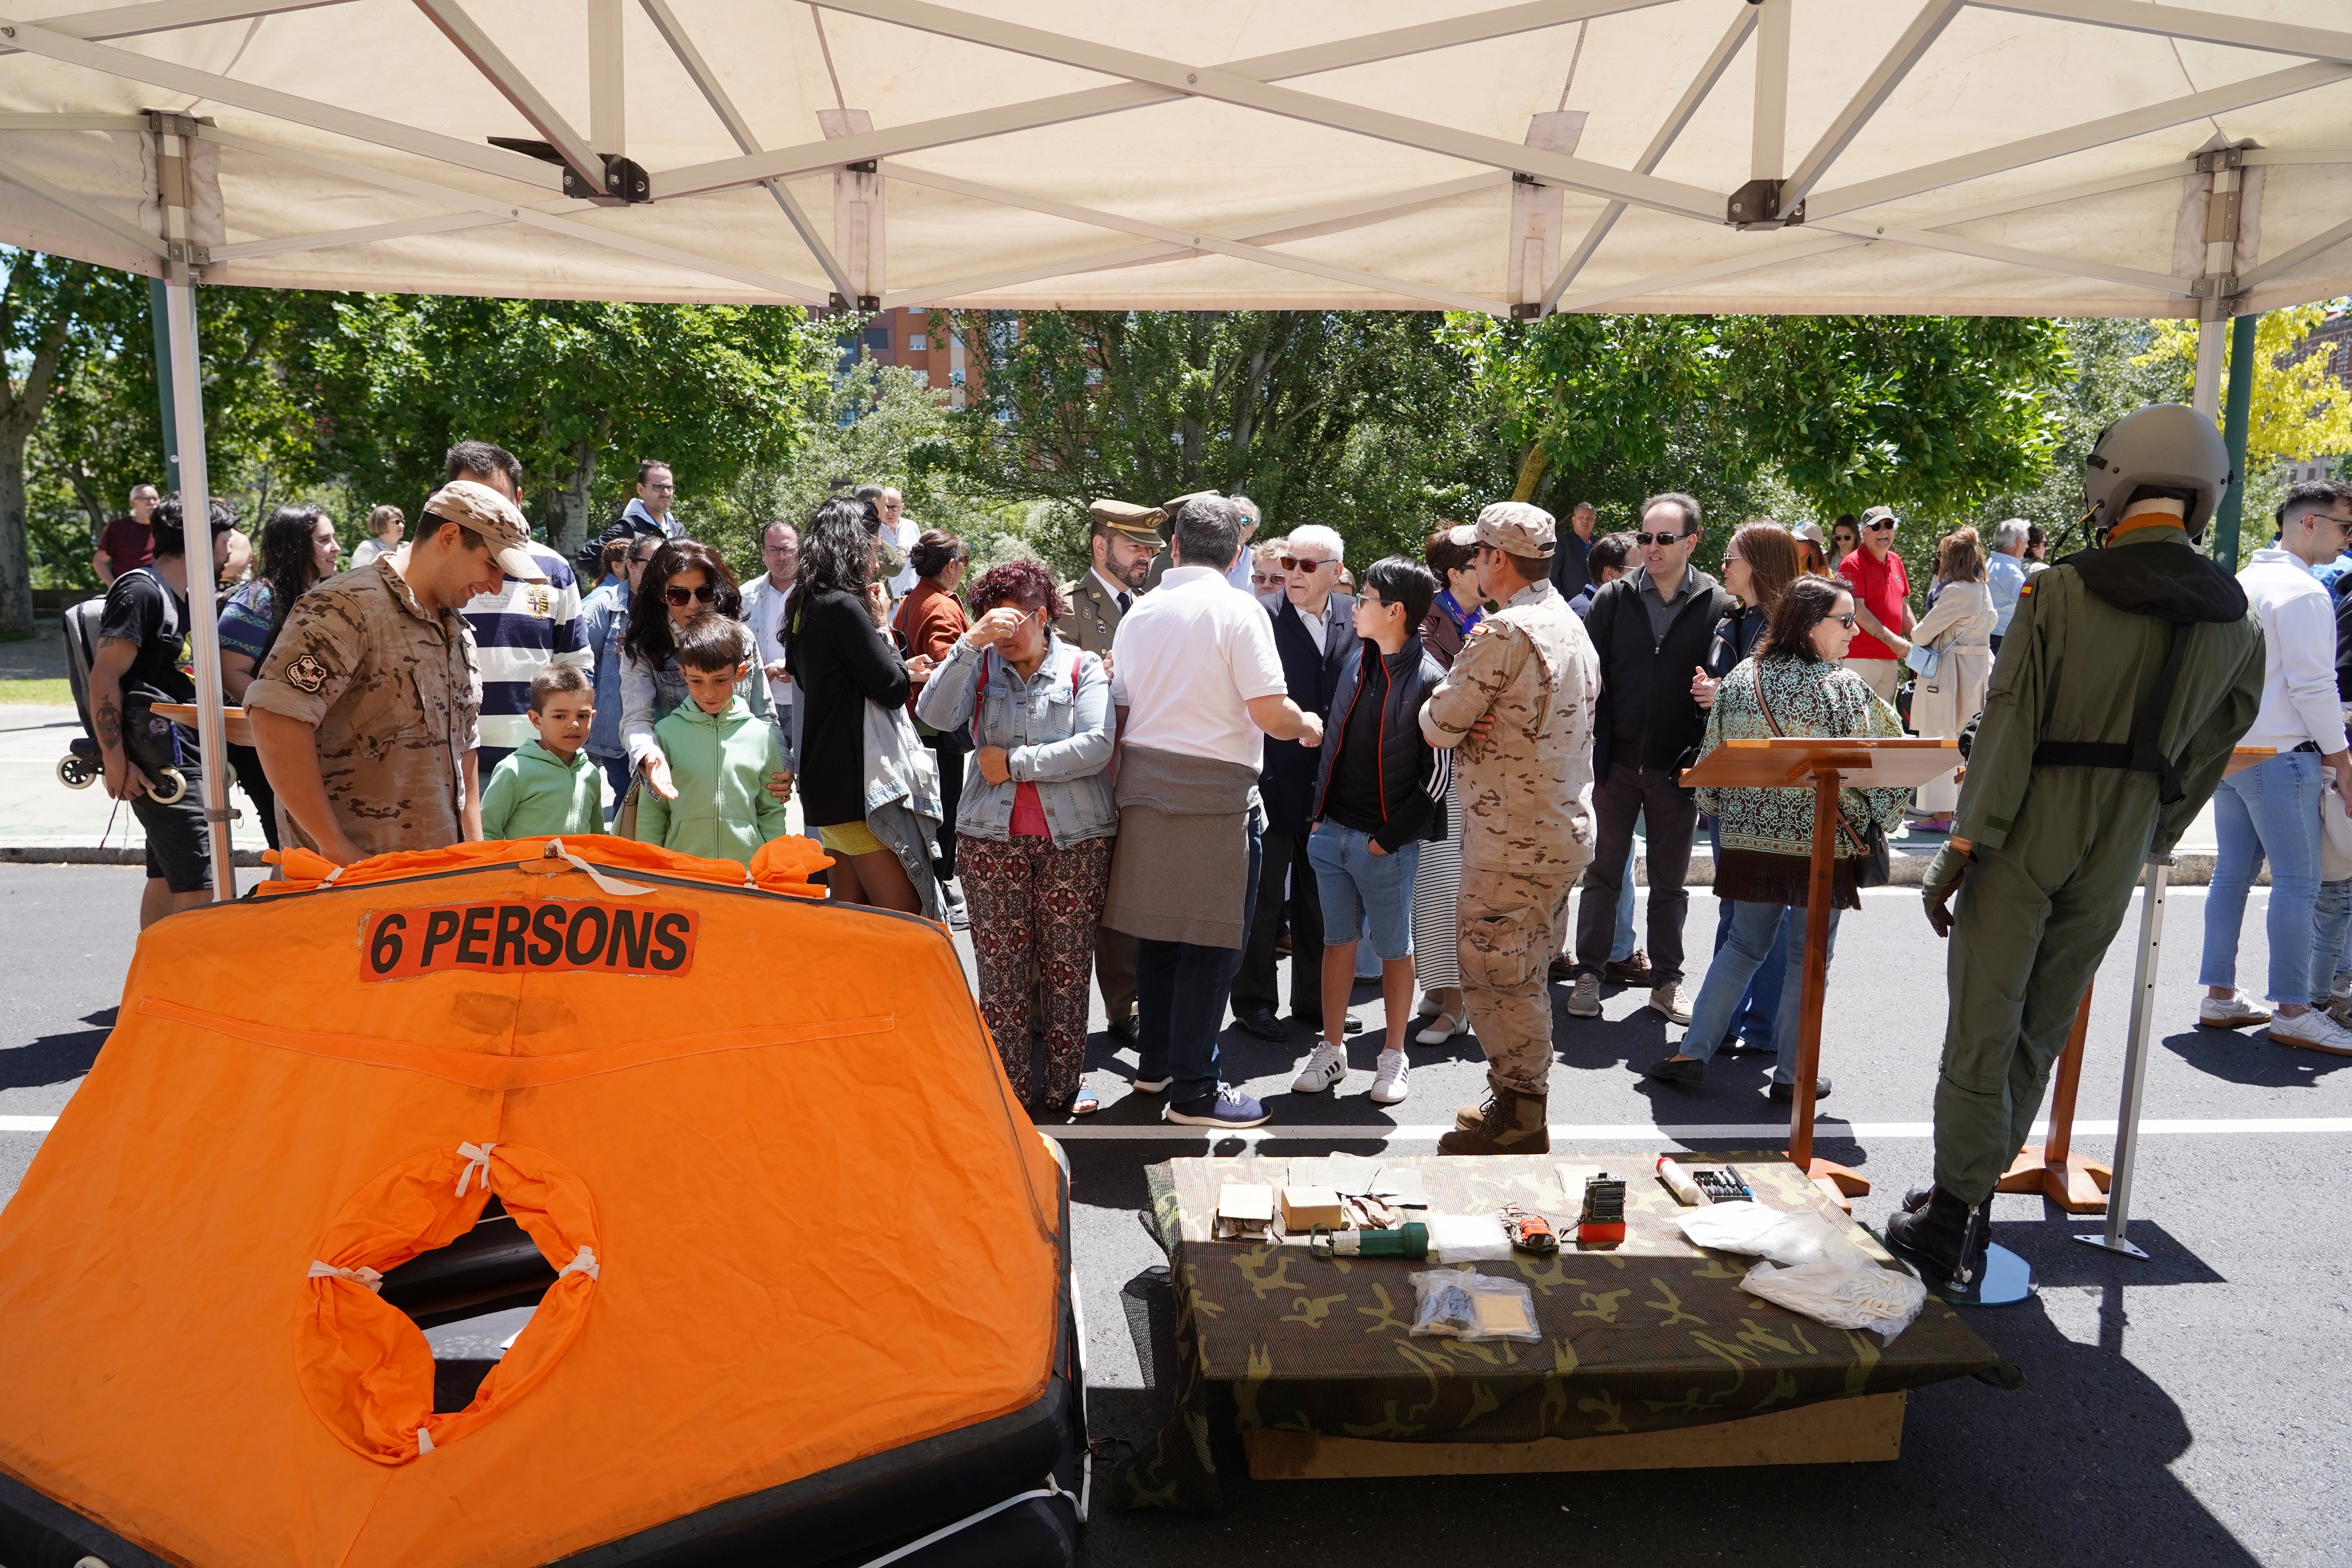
1866,1430
234,725
2065,1178
1828,765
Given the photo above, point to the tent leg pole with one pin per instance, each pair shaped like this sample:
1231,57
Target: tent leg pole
158,311
2233,436
2136,1055
196,511
2207,398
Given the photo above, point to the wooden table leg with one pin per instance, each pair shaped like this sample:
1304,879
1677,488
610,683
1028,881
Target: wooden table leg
1834,1179
2055,1170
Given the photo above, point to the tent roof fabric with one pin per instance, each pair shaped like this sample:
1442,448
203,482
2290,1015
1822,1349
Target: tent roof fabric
1963,156
817,1226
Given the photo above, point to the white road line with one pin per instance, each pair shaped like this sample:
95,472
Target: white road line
26,1124
1640,1132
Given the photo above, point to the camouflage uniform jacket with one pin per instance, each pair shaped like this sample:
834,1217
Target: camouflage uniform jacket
1526,790
395,696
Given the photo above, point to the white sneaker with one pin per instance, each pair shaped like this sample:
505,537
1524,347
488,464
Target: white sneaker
2339,989
2237,1013
1668,999
1326,1065
2314,1031
1584,1000
1389,1084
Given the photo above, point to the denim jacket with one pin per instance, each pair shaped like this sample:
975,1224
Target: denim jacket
1055,729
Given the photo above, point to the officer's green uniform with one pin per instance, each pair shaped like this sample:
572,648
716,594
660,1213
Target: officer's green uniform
2058,849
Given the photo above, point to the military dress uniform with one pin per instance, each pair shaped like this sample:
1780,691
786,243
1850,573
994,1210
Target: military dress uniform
2063,811
1526,795
1090,619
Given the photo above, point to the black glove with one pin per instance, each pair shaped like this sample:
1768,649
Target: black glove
1944,875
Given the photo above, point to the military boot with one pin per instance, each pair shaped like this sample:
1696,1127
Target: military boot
1945,1237
1508,1123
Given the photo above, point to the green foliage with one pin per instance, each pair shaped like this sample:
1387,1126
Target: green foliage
1360,420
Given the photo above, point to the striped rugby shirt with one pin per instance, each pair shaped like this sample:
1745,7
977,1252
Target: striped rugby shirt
518,631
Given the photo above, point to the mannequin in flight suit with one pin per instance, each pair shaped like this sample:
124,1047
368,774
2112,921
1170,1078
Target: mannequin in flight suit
2128,673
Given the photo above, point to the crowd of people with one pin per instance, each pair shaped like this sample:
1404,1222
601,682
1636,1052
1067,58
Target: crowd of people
1149,781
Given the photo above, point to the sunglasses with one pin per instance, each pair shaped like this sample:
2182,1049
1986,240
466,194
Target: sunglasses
1265,579
1880,527
1660,540
688,595
1301,563
1846,620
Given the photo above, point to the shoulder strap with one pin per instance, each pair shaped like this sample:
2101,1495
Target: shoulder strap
1765,703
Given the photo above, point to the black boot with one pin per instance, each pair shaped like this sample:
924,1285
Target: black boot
1938,1235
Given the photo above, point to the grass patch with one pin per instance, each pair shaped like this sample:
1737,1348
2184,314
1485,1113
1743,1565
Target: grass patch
53,693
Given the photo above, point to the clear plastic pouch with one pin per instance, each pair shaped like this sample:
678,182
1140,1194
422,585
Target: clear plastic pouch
1463,1304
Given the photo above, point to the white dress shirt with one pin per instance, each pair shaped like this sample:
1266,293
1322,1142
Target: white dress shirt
1187,660
2298,619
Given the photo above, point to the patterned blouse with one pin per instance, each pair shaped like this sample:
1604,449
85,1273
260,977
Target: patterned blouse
1811,699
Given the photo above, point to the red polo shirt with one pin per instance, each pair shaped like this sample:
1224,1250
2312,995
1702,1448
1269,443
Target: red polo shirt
1879,587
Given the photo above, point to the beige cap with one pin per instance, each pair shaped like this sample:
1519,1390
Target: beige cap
1515,528
1140,523
471,504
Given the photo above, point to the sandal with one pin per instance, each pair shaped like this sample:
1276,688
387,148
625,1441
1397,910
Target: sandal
1081,1103
1442,1028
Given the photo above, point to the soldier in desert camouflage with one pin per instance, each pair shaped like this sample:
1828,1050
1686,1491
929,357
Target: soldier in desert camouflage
1518,706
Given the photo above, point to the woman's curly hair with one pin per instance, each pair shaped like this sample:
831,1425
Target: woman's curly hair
1024,583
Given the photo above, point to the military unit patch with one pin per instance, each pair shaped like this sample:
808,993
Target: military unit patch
306,674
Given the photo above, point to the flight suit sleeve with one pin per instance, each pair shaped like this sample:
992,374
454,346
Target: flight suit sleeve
1483,671
2203,759
2001,764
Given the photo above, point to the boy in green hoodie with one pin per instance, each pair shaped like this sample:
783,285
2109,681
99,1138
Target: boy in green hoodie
720,755
549,787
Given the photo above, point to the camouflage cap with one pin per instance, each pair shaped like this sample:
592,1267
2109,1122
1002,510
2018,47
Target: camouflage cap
1515,528
1140,523
475,506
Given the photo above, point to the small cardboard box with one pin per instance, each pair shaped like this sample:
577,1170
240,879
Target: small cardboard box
1247,1202
1304,1208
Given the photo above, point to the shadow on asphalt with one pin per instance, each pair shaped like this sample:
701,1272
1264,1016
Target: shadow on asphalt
2251,1057
56,1058
2061,1262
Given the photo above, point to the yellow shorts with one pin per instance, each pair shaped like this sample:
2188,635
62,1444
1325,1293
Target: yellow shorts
851,838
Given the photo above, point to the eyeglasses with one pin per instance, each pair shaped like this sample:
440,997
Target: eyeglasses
1302,563
1660,540
1266,579
1742,560
1845,620
664,488
682,596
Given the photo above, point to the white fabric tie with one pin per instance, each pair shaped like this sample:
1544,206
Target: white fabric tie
478,1157
424,1442
582,1262
363,1275
619,889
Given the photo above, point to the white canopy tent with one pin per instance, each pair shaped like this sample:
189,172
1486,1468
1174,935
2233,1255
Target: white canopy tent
2040,157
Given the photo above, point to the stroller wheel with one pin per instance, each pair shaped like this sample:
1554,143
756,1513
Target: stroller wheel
76,773
172,787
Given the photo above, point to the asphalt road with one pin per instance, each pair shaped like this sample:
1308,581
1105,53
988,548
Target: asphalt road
2188,1409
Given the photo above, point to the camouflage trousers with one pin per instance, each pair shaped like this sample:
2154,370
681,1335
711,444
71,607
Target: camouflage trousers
1509,924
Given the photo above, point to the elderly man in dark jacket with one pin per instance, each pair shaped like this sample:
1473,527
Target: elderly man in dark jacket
1314,632
1651,629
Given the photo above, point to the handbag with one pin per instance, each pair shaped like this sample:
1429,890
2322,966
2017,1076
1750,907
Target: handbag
1924,660
1873,862
624,821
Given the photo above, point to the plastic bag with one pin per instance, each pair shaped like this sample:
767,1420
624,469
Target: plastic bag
1821,1274
1463,1304
1468,1238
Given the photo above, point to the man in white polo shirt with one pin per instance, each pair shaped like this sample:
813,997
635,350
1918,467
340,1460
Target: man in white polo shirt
1198,687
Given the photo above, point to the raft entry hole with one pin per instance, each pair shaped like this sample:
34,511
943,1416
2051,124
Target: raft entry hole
471,1298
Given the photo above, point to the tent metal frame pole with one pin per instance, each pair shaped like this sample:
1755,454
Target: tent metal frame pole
485,55
2206,397
2254,276
167,16
2137,1048
204,616
158,311
1768,138
2233,436
2177,22
1916,39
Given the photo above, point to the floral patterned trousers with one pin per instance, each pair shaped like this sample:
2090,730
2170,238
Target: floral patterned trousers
1034,911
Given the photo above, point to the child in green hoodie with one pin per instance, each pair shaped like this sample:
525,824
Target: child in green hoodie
720,755
549,787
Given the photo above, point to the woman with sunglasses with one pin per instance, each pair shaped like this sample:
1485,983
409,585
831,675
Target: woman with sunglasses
1451,555
1794,685
1036,827
683,579
1845,538
841,658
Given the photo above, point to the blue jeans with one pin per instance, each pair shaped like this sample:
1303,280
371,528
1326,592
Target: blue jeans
1754,1017
1621,948
2331,921
1359,889
1179,994
2271,811
1754,929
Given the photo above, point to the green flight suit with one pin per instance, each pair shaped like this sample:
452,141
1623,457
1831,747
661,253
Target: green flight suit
2059,850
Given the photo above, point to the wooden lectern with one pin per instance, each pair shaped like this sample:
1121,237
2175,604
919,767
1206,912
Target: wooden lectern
235,729
1827,766
2074,1183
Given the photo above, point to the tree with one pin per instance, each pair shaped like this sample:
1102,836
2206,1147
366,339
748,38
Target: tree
1355,419
2297,409
578,390
41,330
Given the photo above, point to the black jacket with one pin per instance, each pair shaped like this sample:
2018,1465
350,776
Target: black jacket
1571,563
1287,782
839,663
1736,637
1646,717
1413,774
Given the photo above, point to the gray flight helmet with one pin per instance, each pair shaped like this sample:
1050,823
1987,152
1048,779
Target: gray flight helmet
2166,446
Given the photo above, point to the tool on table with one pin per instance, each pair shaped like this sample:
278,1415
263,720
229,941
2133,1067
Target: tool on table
1406,1241
1722,1184
1530,1232
1678,1182
1603,1223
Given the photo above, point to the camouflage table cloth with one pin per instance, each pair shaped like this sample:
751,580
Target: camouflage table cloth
1653,1334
